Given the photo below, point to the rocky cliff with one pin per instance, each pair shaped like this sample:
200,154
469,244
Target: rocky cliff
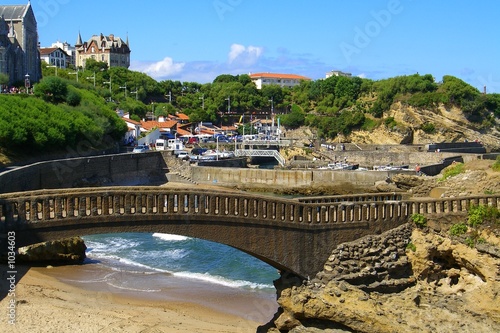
405,280
415,278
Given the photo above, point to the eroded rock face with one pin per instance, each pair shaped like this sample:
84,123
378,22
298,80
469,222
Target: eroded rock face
382,284
70,250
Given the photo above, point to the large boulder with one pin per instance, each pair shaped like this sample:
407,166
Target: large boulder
65,251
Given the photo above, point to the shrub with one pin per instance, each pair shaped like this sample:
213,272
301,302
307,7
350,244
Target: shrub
428,128
411,247
458,229
390,122
496,165
419,220
452,170
479,214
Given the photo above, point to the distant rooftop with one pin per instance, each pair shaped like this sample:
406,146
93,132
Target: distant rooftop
278,76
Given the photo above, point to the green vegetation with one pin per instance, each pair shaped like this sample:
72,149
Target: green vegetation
429,128
496,165
83,101
458,229
420,220
411,247
480,214
477,216
451,171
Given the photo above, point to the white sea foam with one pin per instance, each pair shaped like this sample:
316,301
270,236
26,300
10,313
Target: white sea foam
215,279
169,237
133,289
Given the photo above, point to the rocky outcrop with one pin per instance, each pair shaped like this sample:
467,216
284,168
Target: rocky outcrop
65,251
405,280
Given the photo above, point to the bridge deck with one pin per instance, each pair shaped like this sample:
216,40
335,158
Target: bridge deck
286,233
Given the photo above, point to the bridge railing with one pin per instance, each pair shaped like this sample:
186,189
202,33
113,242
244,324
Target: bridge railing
145,203
382,196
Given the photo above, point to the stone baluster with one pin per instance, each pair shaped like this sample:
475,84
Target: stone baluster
105,204
116,204
94,208
82,206
59,207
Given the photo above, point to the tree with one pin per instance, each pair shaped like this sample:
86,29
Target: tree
95,66
51,89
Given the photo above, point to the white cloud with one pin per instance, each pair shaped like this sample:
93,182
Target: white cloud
244,55
161,69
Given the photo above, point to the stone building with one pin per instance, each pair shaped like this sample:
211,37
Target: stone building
19,55
109,49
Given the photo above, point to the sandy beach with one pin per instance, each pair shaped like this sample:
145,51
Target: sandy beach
44,303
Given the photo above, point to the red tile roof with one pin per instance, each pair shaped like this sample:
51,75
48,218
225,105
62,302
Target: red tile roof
278,76
182,116
183,132
148,125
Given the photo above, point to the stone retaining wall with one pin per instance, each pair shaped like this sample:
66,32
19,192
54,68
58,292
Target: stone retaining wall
120,169
373,263
287,178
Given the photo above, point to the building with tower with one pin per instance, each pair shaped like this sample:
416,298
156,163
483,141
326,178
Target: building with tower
19,55
109,49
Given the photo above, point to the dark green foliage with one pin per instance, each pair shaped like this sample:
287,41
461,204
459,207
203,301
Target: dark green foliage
294,119
428,128
332,106
73,98
95,66
480,214
458,229
30,124
390,122
51,89
342,122
419,219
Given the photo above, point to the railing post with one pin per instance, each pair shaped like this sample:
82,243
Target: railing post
58,207
94,209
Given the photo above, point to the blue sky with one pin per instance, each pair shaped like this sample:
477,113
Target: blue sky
196,40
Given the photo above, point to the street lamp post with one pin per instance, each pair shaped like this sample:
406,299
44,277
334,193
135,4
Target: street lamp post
272,113
125,87
110,92
92,77
217,149
228,99
53,67
75,73
27,82
202,101
135,92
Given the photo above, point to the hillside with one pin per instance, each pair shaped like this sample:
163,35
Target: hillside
450,125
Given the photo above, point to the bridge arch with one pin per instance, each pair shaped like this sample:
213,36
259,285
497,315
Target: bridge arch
291,235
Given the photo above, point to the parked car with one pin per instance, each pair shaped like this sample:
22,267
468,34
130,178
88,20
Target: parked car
141,149
183,155
198,151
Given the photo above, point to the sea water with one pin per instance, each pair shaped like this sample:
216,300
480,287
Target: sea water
167,267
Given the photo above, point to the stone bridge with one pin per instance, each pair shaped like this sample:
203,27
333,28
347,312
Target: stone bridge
295,235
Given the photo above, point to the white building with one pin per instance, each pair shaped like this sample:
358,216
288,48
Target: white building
69,49
283,80
337,73
54,56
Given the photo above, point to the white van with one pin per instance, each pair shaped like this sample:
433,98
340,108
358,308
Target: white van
161,144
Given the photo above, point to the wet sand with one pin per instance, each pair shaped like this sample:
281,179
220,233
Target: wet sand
74,299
